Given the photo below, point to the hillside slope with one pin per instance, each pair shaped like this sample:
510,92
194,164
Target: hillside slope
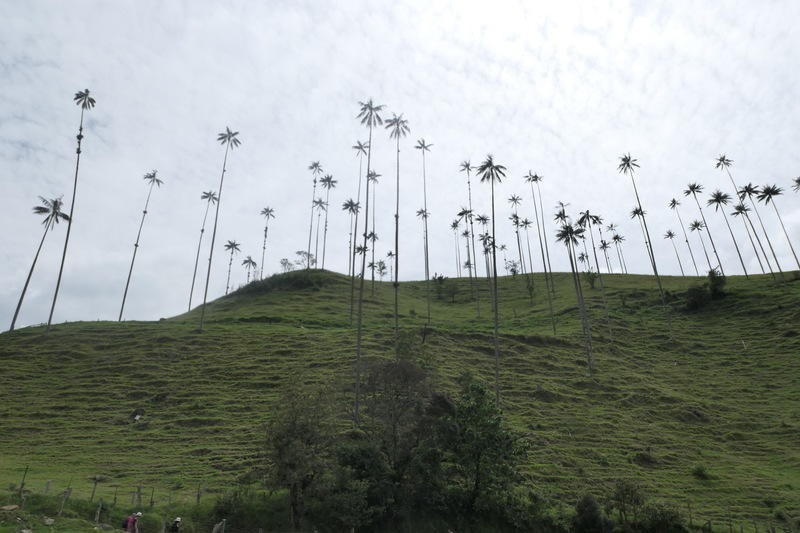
708,415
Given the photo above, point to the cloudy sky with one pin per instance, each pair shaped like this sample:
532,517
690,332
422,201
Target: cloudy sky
560,88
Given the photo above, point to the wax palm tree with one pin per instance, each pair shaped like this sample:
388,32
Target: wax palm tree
249,264
724,163
372,177
467,168
398,128
51,209
569,235
768,194
267,213
671,236
209,197
618,239
423,147
372,237
153,181
587,220
231,140
390,257
720,199
454,226
351,206
674,204
483,220
532,178
361,149
316,169
468,263
583,258
638,214
515,200
526,224
232,247
369,114
422,214
694,189
749,191
739,210
319,206
604,246
327,183
698,226
87,102
628,165
493,172
796,184
538,181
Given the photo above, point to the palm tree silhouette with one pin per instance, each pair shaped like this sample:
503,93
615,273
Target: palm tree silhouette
468,263
86,102
720,199
768,194
232,247
628,165
604,246
361,149
231,140
320,206
351,206
749,191
673,204
569,235
51,209
535,178
398,128
587,220
698,227
328,183
423,147
267,213
467,168
671,236
515,200
372,237
457,251
153,181
724,163
693,189
739,210
248,264
493,172
210,197
372,177
618,239
390,256
316,168
796,184
369,114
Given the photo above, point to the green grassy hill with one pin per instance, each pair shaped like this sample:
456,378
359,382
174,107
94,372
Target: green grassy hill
709,415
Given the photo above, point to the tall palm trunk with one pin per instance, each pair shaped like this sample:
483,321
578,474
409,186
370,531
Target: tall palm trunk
495,308
425,230
360,312
747,217
686,238
786,234
474,271
622,258
197,256
761,246
214,235
350,248
264,250
548,275
69,222
735,244
600,277
708,230
457,252
764,230
325,237
135,249
678,257
753,244
587,332
530,256
703,244
311,223
396,283
605,252
355,237
316,238
28,279
544,233
228,281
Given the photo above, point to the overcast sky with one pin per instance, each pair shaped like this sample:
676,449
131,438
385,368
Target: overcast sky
560,88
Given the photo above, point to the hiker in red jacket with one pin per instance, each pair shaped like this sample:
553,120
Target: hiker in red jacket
132,525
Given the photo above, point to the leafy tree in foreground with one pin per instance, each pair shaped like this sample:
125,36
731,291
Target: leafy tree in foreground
86,102
210,197
493,172
767,195
232,247
152,179
231,140
51,209
267,213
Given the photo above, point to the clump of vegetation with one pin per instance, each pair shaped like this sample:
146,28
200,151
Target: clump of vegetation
589,517
701,472
591,277
292,280
698,296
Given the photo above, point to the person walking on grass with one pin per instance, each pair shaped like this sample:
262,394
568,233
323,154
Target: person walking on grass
132,523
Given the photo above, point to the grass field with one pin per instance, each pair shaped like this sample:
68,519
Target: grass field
706,414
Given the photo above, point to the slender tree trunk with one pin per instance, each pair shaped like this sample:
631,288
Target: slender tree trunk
686,238
425,226
548,275
360,312
263,251
678,257
704,250
753,244
355,238
530,258
316,237
325,237
624,263
587,332
69,222
544,233
28,279
741,199
350,248
600,277
396,283
228,281
708,230
786,234
135,249
761,246
735,244
214,235
197,257
311,223
495,308
457,253
769,242
474,254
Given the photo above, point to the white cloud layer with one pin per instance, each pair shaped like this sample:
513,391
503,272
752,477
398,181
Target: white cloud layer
561,88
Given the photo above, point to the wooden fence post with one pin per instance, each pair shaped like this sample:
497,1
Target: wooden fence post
94,487
97,513
152,493
64,497
22,483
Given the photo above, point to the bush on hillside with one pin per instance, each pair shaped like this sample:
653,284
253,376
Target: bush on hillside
716,284
697,297
660,517
589,517
294,280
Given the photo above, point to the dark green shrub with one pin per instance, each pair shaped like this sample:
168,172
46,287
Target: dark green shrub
716,284
697,297
661,518
589,517
701,472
